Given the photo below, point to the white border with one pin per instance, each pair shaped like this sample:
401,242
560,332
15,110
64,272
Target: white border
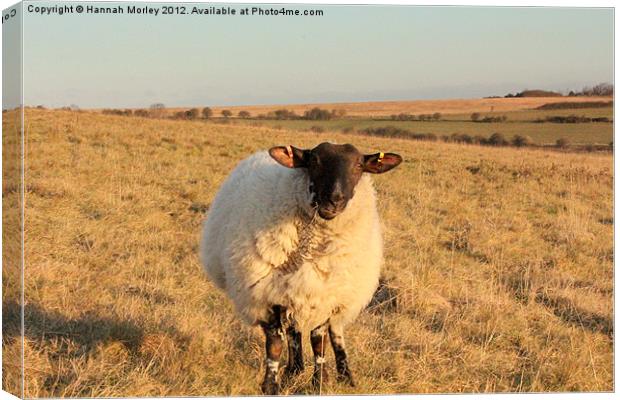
509,3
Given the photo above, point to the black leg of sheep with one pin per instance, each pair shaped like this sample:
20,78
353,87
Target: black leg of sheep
295,353
318,339
343,373
274,340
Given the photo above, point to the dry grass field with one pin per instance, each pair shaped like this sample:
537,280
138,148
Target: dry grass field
387,108
501,261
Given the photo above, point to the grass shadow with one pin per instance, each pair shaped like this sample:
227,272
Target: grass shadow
569,313
87,331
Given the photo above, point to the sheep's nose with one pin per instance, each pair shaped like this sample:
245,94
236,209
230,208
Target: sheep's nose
336,198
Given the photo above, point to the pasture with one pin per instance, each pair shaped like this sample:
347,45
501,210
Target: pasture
500,261
517,123
541,133
521,118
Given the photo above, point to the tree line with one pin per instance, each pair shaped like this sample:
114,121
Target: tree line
158,110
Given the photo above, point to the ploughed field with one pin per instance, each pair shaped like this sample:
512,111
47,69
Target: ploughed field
498,266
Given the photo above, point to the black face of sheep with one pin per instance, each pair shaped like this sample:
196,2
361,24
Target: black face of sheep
334,171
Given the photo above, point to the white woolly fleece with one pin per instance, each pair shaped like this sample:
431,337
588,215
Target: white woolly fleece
251,229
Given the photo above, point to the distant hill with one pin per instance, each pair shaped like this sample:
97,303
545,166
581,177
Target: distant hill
535,93
387,108
572,105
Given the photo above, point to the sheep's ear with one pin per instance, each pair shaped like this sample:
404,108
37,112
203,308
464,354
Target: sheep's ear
381,162
289,156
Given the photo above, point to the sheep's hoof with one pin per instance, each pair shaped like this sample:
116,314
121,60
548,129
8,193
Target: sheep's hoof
292,371
319,379
346,378
270,388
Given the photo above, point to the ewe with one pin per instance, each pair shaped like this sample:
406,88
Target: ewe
287,269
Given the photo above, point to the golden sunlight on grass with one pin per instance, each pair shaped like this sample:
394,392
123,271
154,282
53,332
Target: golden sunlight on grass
501,261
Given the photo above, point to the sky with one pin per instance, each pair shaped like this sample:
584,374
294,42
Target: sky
351,53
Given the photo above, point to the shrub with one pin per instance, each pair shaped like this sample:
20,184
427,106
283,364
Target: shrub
403,117
348,129
244,114
465,138
522,141
501,118
423,136
187,114
207,113
284,114
141,113
394,132
497,139
115,111
226,113
317,114
387,131
479,139
157,110
437,116
562,143
475,116
192,113
569,119
461,138
179,115
317,129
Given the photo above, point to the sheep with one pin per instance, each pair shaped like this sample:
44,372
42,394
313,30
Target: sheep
293,236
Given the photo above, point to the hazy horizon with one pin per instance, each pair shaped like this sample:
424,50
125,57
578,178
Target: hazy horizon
213,105
350,54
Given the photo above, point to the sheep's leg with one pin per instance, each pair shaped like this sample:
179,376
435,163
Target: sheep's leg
274,339
295,354
318,339
336,336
